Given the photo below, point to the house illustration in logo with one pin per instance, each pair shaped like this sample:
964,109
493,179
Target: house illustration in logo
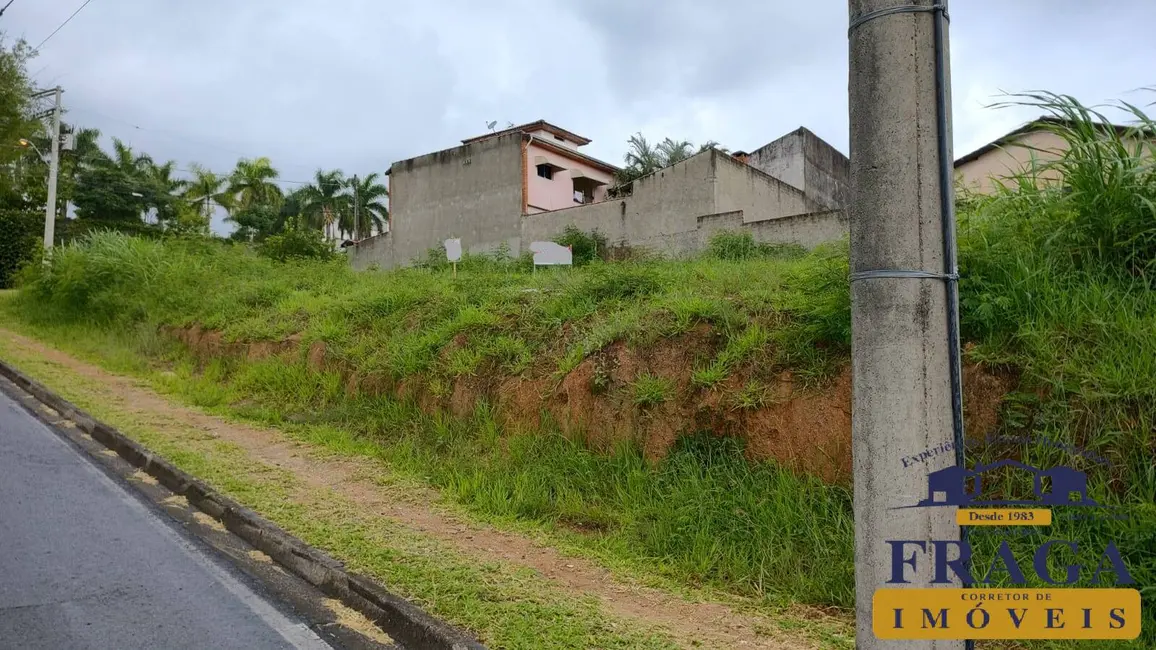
960,486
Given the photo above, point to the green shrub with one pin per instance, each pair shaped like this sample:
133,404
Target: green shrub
754,394
18,242
585,247
1056,281
103,276
710,375
740,245
297,244
618,282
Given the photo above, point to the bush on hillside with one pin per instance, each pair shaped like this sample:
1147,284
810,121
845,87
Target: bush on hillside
101,276
297,244
585,246
19,242
741,245
75,230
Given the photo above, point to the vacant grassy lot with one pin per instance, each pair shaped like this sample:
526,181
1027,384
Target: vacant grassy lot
420,365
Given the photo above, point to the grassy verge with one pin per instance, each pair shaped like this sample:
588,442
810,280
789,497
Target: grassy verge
703,516
509,608
622,512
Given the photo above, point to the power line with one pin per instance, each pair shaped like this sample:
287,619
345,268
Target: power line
6,7
66,21
174,135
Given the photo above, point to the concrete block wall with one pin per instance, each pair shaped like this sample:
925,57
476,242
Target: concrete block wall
784,159
826,173
807,230
758,194
677,210
473,192
806,162
661,206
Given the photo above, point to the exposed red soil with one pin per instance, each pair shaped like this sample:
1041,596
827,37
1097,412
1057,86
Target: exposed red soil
805,429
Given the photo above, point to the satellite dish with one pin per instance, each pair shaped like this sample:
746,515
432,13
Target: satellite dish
509,125
491,125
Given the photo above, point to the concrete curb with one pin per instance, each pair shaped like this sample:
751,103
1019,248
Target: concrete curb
398,617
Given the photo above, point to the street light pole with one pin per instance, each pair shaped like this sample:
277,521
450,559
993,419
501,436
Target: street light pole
53,172
356,209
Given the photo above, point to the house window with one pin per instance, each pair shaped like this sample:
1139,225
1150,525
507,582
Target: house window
559,138
546,172
584,189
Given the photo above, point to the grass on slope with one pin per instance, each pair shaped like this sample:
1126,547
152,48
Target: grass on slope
1057,286
507,607
702,516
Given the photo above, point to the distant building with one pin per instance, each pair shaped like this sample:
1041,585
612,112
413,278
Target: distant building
995,164
529,182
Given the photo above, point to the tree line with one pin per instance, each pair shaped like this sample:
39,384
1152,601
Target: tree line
124,187
129,190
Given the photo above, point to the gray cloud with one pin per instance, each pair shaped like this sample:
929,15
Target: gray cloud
696,48
357,84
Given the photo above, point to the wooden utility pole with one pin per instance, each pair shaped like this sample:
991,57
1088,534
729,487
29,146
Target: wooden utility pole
901,287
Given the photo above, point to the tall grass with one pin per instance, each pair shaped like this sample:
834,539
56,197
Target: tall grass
1057,288
703,515
1058,275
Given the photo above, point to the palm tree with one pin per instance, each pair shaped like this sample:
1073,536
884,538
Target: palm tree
369,211
251,184
87,142
161,190
326,206
86,150
162,176
643,159
117,186
712,144
671,151
293,207
126,160
206,189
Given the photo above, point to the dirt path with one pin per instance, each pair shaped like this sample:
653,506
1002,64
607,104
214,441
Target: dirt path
694,624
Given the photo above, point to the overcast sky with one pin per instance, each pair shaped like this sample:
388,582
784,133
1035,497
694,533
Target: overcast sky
358,84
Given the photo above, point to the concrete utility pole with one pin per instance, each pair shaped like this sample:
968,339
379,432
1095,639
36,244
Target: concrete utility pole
53,172
901,356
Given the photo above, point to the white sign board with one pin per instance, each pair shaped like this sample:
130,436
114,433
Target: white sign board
454,250
548,253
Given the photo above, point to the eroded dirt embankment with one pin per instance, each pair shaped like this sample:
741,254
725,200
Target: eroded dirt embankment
807,429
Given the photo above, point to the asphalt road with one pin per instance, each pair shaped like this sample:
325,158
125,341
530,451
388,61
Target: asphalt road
84,564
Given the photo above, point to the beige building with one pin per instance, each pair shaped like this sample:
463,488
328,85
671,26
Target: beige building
996,163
